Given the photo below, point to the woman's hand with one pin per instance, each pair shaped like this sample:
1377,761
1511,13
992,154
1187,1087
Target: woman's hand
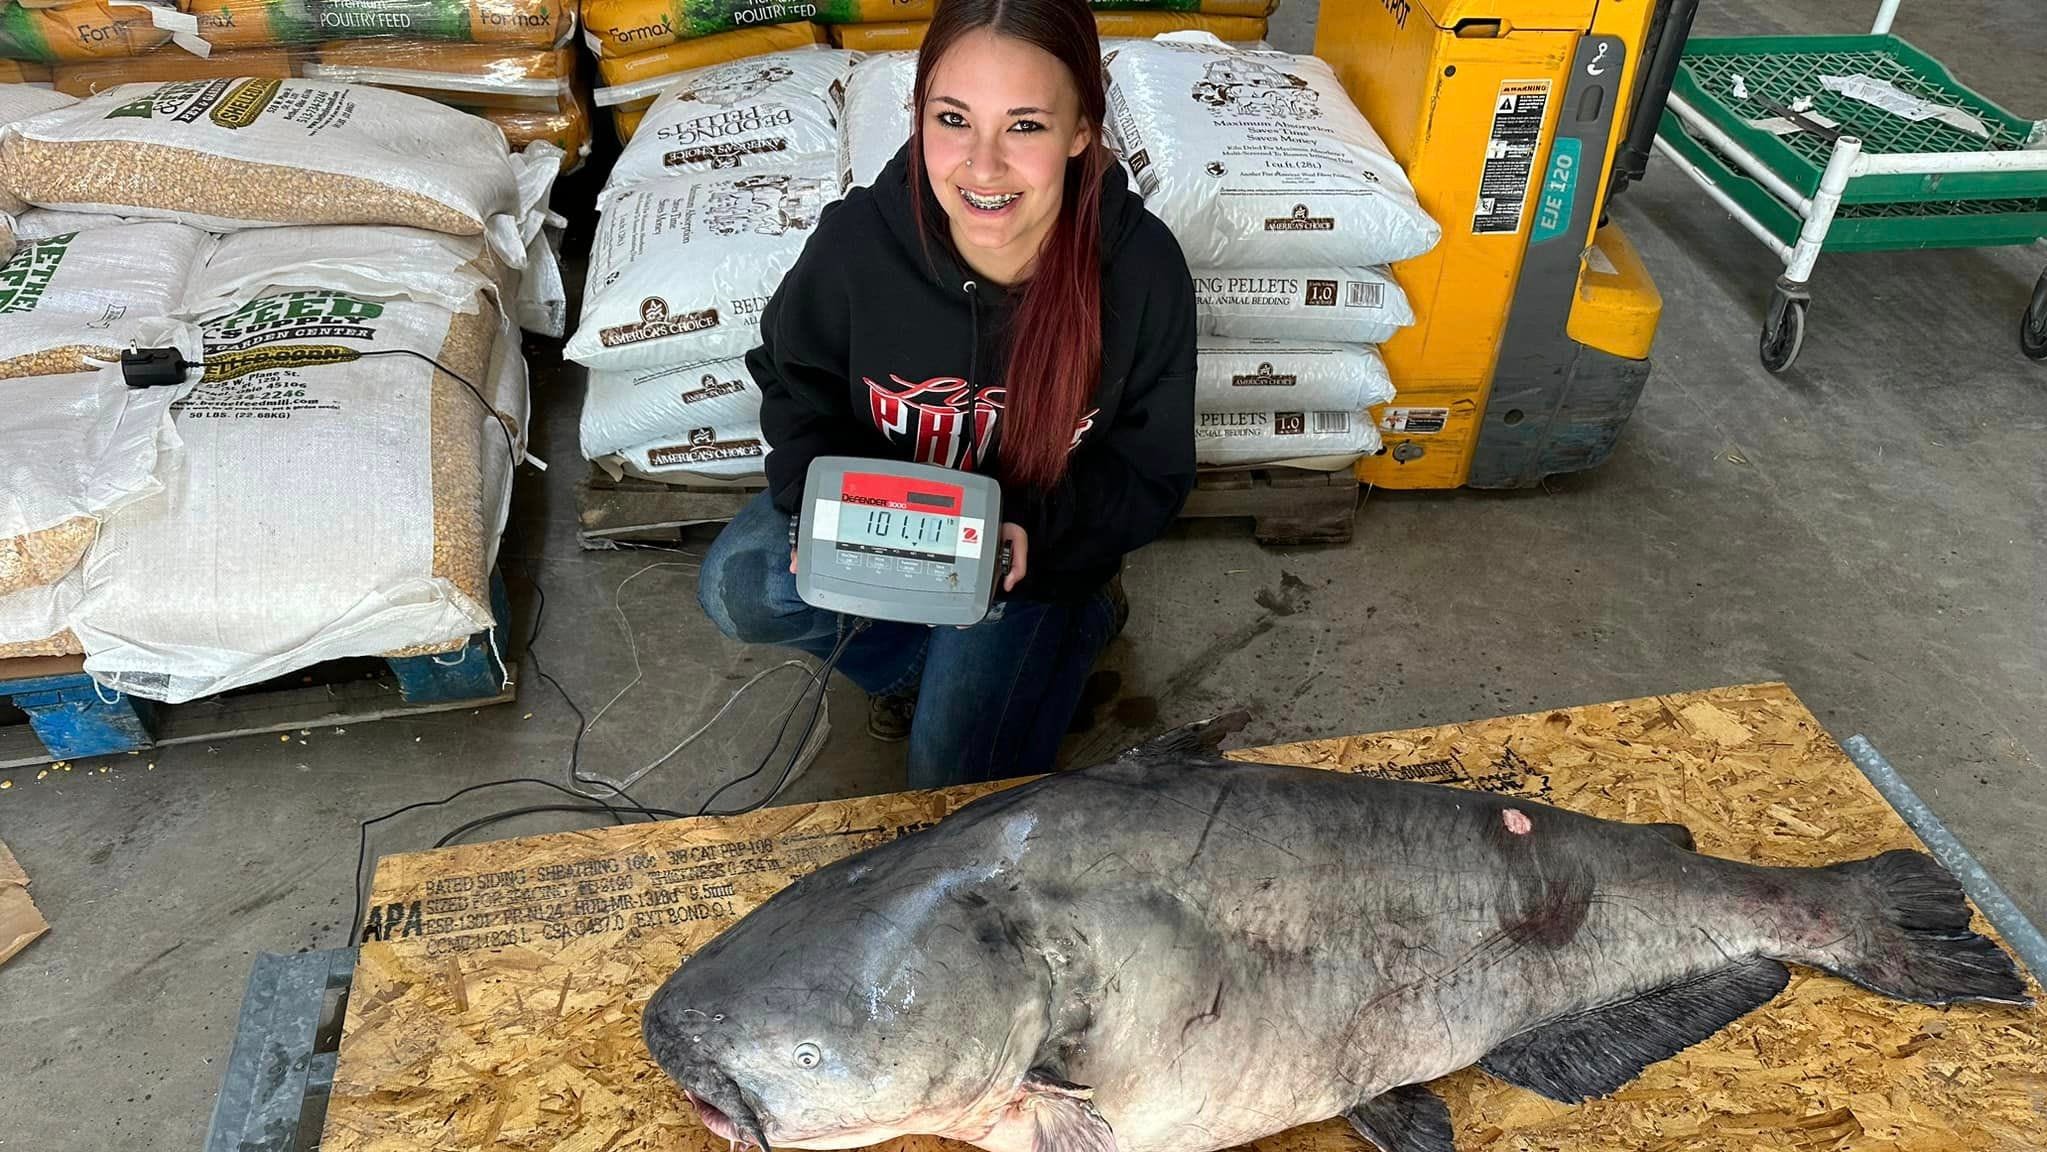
1019,550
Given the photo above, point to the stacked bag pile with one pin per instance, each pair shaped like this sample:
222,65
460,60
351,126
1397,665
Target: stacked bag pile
1288,207
1232,20
644,46
708,207
345,266
512,62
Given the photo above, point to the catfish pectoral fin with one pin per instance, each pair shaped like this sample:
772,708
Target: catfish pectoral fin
1063,1116
1408,1119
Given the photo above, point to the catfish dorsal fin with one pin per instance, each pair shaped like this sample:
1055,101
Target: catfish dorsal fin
1063,1116
1200,740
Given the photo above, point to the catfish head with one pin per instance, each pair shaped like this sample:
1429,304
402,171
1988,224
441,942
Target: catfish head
887,994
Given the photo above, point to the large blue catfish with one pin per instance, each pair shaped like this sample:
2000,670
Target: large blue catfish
1173,952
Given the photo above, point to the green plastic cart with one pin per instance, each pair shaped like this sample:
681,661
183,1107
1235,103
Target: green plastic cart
1853,144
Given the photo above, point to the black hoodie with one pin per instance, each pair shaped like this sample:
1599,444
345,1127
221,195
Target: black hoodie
879,345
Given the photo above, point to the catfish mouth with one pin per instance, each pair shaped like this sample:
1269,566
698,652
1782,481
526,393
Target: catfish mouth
724,1126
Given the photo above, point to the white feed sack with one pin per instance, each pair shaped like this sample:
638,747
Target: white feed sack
323,504
73,449
19,102
450,272
231,154
1359,305
732,452
1267,375
78,297
762,113
32,620
878,117
1259,159
681,268
622,410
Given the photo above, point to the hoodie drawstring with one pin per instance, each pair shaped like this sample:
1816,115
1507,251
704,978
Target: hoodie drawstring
973,375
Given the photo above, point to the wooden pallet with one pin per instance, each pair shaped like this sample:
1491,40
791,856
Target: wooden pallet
69,716
1286,506
631,509
496,999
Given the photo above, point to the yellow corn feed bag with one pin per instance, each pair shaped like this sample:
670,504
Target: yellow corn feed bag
88,30
262,23
172,64
620,27
1205,7
709,50
1145,25
23,72
906,36
467,75
626,121
567,128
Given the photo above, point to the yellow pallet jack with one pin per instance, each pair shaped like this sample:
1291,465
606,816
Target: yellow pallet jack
1516,121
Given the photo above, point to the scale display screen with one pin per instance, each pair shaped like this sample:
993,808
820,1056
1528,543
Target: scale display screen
897,541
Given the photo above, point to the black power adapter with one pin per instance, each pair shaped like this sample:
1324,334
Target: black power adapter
155,367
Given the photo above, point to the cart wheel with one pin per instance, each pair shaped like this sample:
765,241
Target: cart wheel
1780,348
2033,327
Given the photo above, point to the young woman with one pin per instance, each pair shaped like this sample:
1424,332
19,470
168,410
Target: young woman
998,301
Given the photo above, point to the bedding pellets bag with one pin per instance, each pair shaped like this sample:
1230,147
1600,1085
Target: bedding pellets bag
21,102
73,448
32,620
765,112
1268,374
88,30
170,65
1325,439
622,67
622,27
265,23
1258,159
232,154
80,297
877,115
484,75
623,410
733,452
907,36
680,268
324,504
1145,25
1360,305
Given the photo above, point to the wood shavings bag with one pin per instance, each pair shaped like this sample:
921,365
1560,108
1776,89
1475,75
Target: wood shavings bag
73,449
622,410
766,113
1259,159
230,154
736,452
1360,305
1319,439
681,268
1267,374
878,117
324,504
79,297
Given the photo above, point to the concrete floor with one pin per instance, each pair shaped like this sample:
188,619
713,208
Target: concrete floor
1871,528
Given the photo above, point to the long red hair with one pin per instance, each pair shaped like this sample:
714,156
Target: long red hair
1055,338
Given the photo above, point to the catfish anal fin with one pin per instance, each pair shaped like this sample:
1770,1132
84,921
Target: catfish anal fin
1594,1052
1408,1119
1063,1117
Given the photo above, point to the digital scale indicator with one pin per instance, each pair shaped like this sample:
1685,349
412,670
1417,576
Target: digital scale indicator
894,541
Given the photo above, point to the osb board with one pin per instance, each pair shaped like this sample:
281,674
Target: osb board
503,1010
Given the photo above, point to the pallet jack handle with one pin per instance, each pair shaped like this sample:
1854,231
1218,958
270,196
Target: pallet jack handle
1669,30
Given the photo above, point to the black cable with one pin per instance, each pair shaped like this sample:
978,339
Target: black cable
824,676
513,813
489,409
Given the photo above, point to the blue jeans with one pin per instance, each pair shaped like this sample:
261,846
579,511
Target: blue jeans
993,699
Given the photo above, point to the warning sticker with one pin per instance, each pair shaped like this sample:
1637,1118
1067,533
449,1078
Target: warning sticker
1416,420
1510,156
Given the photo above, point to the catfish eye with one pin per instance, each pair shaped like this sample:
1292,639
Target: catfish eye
808,1056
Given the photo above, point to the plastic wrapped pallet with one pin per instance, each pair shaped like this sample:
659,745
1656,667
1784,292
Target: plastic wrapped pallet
234,24
764,112
877,118
1144,25
88,30
468,75
73,449
735,452
623,27
1325,439
682,56
1259,159
902,36
1361,305
324,504
75,298
623,410
231,154
1266,375
171,64
681,267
